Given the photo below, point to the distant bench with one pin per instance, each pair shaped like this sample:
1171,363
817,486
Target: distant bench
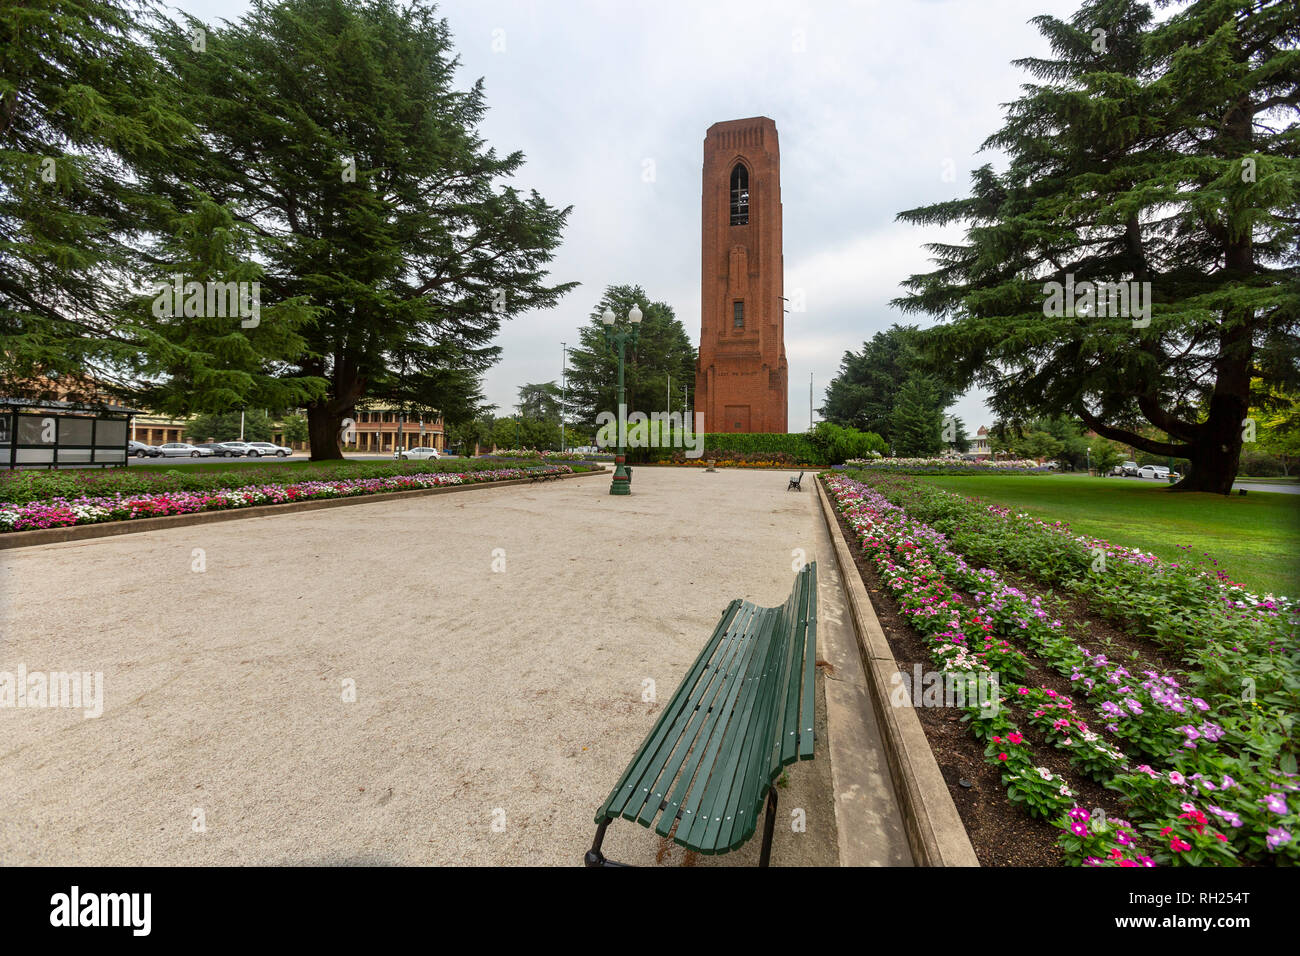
743,711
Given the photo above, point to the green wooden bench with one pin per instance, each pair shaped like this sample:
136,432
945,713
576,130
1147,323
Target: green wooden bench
744,711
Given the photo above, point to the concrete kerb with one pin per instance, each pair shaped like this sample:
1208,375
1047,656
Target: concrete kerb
27,539
934,829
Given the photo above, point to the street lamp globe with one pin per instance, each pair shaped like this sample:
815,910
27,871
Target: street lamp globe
635,315
607,316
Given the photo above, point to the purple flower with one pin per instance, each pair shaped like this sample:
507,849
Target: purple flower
1226,815
1277,836
1275,803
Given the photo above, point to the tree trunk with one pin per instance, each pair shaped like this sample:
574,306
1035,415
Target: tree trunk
1213,467
323,427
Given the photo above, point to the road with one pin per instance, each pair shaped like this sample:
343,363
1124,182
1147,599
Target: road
1281,488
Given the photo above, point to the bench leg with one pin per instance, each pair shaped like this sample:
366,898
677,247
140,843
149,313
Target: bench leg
594,857
769,827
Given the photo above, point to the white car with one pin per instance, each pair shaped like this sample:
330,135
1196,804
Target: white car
417,454
258,449
1153,471
183,449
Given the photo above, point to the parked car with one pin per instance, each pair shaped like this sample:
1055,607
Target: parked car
417,454
1157,471
1130,468
139,449
230,449
257,449
183,449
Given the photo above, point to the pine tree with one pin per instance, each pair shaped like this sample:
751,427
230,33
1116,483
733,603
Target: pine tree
916,423
82,102
334,130
663,350
862,394
1151,153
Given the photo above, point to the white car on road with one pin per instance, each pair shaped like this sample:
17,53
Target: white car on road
259,449
183,449
1154,471
417,454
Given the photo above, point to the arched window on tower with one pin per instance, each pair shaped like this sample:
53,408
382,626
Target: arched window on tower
740,195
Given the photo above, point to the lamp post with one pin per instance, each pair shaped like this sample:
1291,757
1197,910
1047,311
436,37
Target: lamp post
622,481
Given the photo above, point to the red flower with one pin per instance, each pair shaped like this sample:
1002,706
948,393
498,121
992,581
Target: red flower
1002,756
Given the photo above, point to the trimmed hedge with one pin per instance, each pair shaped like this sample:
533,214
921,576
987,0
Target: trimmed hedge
825,445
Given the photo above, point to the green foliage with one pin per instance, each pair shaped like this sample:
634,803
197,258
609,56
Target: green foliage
1105,454
1169,157
293,428
955,435
81,103
523,432
663,351
225,427
863,394
334,130
835,445
540,401
916,423
476,431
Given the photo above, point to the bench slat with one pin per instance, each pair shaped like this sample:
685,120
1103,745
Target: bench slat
806,722
757,774
707,806
744,710
692,783
659,733
730,665
788,746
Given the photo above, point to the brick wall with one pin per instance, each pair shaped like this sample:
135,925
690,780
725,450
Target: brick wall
742,379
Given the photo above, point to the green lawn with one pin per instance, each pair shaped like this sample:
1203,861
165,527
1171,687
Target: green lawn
1255,538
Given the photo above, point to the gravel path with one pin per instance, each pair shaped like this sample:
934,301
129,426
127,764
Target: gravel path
493,710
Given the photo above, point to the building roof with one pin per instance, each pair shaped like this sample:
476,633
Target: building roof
69,406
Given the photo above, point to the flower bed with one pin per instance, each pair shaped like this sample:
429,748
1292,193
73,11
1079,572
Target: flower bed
945,466
1217,786
65,512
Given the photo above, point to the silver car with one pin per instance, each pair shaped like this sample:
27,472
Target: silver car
417,454
183,449
260,449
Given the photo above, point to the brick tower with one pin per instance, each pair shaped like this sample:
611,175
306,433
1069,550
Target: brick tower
741,381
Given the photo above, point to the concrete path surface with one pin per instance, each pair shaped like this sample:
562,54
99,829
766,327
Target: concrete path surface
499,643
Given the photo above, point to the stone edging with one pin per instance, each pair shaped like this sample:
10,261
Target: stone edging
934,828
104,529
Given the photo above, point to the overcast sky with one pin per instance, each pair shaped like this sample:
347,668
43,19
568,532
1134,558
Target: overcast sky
880,107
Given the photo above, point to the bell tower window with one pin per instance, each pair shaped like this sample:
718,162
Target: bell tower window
740,195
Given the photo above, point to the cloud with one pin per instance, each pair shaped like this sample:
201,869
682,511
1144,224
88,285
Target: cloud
880,107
